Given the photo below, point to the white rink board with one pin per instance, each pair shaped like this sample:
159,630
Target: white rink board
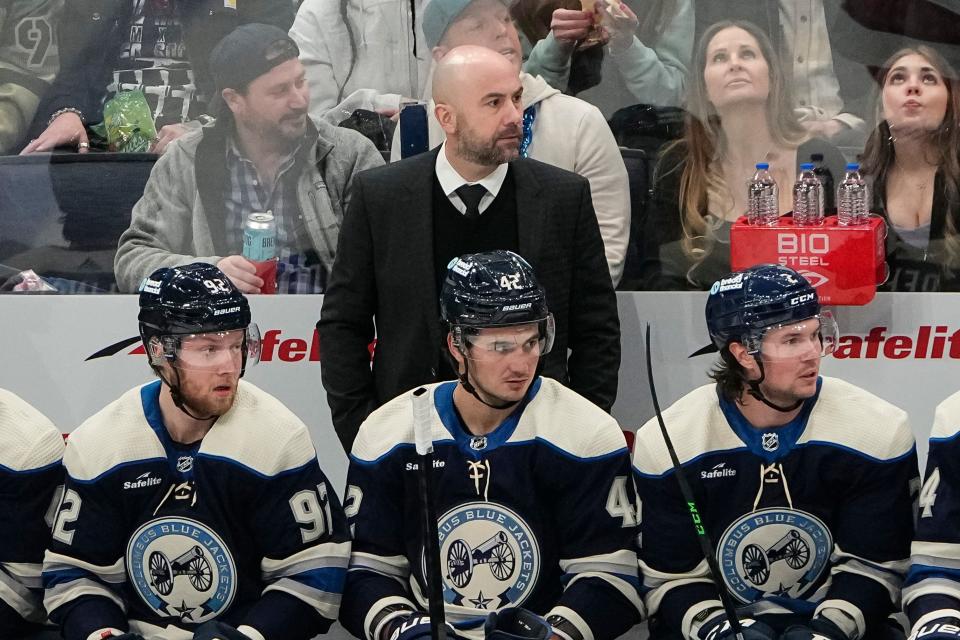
46,339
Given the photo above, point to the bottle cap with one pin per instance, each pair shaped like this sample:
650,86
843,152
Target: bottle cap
763,165
853,166
806,166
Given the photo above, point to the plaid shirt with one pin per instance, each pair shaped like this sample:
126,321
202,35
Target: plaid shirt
298,270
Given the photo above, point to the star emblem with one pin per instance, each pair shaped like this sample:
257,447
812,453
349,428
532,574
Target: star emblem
480,602
184,610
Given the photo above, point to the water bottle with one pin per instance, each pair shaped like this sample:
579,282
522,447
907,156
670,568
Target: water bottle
763,197
807,197
853,206
825,176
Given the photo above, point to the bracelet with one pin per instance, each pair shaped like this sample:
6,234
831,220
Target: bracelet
60,112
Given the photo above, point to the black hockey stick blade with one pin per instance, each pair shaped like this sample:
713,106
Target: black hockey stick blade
706,544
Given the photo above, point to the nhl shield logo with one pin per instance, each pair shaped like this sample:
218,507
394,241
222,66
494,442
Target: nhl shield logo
478,443
770,441
181,568
776,551
489,556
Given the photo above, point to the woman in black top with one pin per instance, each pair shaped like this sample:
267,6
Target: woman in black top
914,157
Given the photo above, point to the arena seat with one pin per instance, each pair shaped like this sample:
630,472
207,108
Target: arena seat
62,214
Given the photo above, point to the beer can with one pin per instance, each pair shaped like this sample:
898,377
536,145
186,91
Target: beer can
260,237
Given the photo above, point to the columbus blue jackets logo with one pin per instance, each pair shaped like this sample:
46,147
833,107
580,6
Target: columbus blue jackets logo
776,551
181,568
489,556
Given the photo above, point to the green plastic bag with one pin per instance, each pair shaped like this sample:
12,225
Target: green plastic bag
127,123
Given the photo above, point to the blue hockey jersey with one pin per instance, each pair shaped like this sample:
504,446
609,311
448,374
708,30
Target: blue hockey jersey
538,514
30,476
932,588
242,526
811,515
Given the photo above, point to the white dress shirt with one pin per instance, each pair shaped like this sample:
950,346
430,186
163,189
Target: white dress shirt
450,181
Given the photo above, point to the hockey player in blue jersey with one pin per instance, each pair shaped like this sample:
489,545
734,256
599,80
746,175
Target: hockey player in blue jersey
194,506
931,593
803,482
534,502
30,475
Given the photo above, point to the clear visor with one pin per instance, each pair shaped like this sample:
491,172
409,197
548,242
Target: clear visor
814,337
213,351
495,343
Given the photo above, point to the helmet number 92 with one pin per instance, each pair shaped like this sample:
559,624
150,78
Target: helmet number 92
217,285
511,281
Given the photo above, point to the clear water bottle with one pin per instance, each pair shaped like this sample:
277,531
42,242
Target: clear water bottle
823,172
807,197
763,197
853,200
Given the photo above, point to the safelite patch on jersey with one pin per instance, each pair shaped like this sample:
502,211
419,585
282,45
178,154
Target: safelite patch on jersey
489,556
775,551
181,568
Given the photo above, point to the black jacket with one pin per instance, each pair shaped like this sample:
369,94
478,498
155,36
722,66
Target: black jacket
92,34
384,274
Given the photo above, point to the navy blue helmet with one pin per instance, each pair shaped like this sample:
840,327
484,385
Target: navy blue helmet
743,305
494,289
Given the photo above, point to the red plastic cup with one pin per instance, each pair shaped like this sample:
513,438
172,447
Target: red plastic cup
267,271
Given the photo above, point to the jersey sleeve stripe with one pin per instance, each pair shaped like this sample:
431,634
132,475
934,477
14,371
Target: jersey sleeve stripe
931,586
623,563
26,573
850,609
58,595
889,580
625,585
661,583
54,563
378,607
24,472
329,555
327,603
946,553
18,596
391,566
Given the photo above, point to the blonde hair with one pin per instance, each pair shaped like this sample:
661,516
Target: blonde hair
703,143
880,153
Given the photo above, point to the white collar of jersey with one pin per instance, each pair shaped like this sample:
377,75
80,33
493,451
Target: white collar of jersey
773,443
471,445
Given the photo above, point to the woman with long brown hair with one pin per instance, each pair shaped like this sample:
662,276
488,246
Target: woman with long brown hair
739,113
914,156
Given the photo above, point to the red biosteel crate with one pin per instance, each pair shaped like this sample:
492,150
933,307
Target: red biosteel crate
845,264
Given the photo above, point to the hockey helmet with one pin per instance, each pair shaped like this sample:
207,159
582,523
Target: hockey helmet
494,289
744,306
179,302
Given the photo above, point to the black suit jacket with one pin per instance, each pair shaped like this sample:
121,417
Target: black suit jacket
384,277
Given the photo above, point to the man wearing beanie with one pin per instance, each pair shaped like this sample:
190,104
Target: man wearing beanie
263,154
557,129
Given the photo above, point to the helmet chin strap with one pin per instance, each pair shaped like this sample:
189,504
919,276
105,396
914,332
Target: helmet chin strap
754,390
469,388
177,396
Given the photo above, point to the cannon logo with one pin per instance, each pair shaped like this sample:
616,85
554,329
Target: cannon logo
182,569
777,552
489,556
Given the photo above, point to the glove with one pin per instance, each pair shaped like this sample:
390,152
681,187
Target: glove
416,626
940,629
516,623
720,629
214,630
818,629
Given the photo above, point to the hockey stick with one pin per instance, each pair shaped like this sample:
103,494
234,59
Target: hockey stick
706,544
422,435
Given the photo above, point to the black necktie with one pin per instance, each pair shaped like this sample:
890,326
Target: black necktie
471,195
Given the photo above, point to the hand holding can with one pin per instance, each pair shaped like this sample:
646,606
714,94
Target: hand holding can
260,248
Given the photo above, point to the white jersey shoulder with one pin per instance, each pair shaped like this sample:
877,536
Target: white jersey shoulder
696,426
28,439
946,419
391,425
567,421
115,435
847,416
260,433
